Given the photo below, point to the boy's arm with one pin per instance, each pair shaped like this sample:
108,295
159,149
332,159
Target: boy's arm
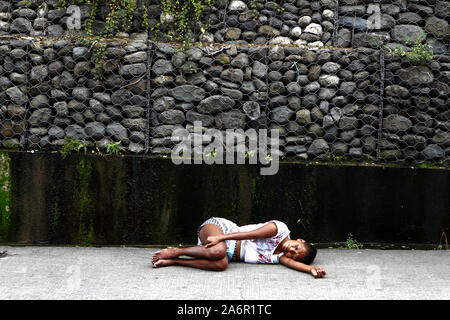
267,231
315,271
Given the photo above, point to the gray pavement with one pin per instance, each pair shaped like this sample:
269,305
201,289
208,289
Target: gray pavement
34,272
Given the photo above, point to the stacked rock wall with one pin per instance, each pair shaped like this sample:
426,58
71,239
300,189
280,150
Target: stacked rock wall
273,68
340,23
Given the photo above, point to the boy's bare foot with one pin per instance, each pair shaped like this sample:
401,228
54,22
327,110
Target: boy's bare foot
162,263
168,253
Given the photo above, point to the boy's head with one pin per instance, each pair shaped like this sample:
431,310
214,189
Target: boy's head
310,255
300,250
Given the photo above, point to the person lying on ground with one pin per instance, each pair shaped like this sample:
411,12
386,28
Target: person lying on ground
221,241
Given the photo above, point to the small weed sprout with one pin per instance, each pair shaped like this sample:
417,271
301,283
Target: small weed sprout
419,54
113,148
71,145
351,243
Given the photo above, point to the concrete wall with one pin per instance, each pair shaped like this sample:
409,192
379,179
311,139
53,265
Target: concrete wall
143,200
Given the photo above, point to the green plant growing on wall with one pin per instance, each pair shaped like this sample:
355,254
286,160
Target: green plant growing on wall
255,5
351,243
99,51
5,196
84,202
419,54
113,148
182,18
119,17
71,145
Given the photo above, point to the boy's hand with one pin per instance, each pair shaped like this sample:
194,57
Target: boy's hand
212,241
317,272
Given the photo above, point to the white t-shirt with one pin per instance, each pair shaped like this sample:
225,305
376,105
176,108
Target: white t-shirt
261,250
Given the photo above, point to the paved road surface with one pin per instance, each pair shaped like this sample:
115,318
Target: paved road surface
35,272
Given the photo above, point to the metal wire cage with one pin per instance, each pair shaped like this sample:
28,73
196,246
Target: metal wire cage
338,80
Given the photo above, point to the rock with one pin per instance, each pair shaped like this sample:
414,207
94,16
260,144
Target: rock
348,123
252,110
95,130
295,32
187,93
135,69
304,21
293,88
281,40
396,123
163,103
215,104
441,138
327,80
38,74
268,31
40,117
205,119
282,115
397,91
172,117
276,53
311,87
237,5
407,33
259,69
75,131
230,120
354,23
232,34
162,67
314,28
21,25
318,147
120,97
303,117
314,72
344,38
240,61
409,18
81,54
370,40
331,67
130,111
415,76
339,148
16,95
61,109
81,93
117,131
135,57
347,88
437,27
54,31
233,75
433,151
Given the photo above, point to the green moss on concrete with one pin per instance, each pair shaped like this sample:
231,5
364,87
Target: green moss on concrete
5,196
84,202
55,215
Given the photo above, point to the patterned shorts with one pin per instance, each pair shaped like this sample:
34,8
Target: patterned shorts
227,226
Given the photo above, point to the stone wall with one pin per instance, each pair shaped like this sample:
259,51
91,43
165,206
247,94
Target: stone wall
362,103
344,23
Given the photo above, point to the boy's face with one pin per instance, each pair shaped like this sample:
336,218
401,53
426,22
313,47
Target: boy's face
295,249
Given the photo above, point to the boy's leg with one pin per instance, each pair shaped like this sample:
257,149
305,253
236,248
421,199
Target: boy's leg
205,264
217,252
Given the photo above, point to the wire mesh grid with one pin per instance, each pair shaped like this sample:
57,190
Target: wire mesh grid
261,65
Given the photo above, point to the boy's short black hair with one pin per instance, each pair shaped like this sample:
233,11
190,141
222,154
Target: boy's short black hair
311,255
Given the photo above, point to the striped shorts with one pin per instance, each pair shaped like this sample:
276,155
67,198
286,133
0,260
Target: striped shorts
227,226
